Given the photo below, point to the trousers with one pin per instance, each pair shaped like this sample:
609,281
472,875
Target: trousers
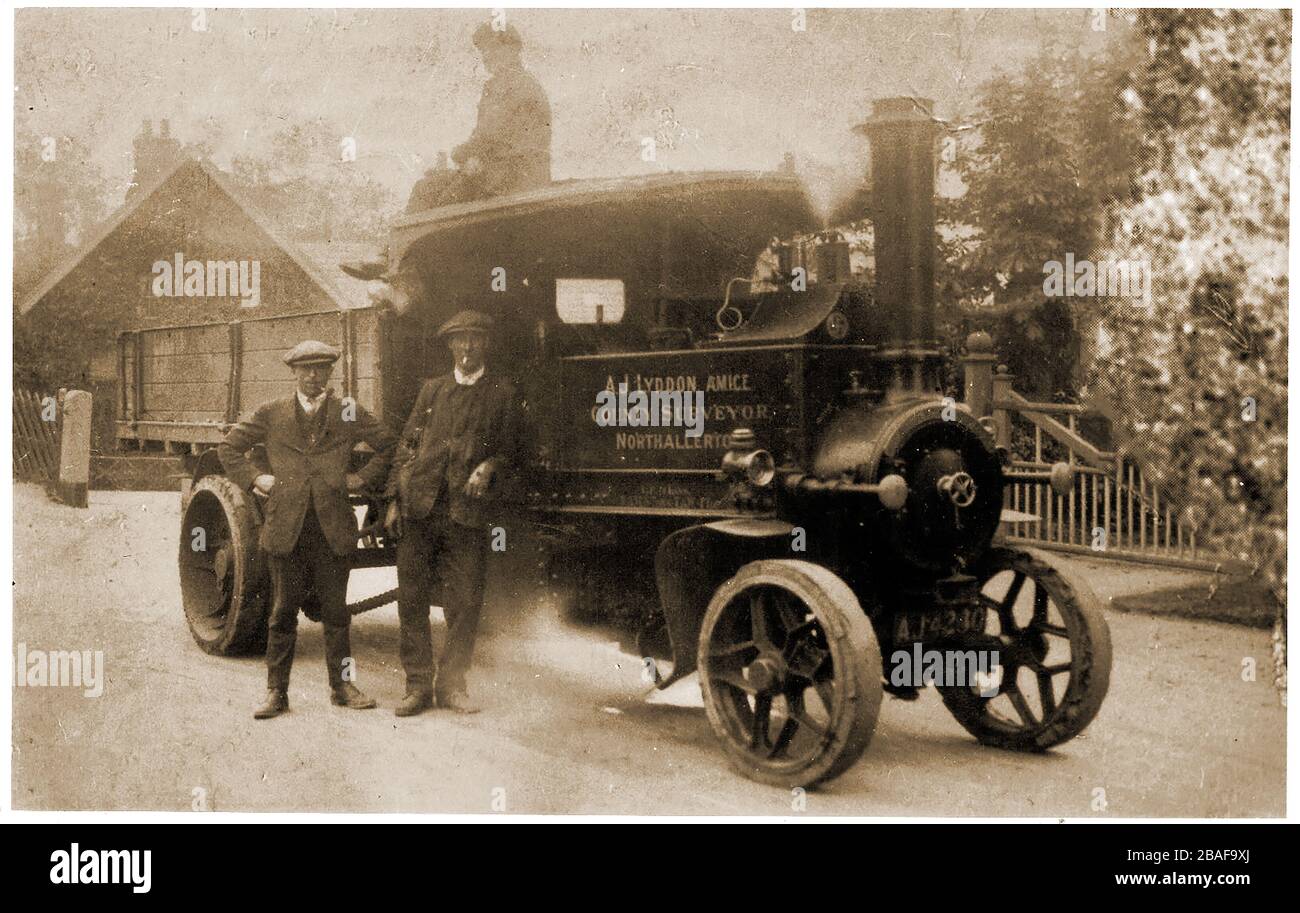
311,568
439,559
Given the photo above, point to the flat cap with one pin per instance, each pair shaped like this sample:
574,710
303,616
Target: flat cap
466,321
311,352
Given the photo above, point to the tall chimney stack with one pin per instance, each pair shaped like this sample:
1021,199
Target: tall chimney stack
902,133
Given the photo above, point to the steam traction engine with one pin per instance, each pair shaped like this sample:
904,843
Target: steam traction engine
833,511
897,500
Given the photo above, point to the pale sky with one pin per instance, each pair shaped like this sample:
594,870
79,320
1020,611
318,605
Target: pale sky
732,88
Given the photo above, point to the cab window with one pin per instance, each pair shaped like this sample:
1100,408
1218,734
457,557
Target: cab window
589,301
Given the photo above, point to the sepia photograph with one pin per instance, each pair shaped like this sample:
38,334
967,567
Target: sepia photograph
621,413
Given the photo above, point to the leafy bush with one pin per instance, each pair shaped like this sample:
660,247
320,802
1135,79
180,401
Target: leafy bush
1200,376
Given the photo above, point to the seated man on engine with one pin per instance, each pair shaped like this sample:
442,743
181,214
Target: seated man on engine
510,149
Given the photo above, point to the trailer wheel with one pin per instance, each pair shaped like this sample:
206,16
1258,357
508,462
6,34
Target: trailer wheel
1054,654
790,672
224,585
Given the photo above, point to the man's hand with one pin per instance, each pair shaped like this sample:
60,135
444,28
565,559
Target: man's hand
480,481
264,483
355,483
393,520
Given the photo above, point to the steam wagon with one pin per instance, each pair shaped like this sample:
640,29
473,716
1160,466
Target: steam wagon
825,509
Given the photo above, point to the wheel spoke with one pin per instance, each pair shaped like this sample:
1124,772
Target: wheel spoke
804,720
1049,628
991,609
783,737
1058,668
1046,696
733,679
789,617
1022,706
1013,592
1040,605
826,693
803,629
762,720
726,651
759,623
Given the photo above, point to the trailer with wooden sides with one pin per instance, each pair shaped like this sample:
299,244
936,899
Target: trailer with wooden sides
182,387
829,508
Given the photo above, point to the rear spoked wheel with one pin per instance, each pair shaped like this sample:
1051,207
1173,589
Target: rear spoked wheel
224,587
790,673
1053,650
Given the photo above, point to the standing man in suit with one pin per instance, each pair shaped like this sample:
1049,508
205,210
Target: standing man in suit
461,439
309,531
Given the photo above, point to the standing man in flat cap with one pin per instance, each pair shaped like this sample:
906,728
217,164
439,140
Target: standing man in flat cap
309,531
461,439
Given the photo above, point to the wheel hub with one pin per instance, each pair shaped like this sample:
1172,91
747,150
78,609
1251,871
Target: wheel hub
221,563
767,674
1023,648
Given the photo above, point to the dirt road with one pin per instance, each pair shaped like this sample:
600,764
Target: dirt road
566,728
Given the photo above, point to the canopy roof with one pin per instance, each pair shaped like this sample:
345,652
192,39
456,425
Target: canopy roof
678,235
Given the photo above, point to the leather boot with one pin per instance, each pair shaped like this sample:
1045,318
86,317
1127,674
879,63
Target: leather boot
458,702
277,702
416,701
902,692
349,695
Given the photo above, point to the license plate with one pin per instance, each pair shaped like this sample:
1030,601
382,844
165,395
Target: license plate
939,624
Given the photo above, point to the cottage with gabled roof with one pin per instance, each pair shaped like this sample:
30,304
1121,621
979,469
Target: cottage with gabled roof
188,247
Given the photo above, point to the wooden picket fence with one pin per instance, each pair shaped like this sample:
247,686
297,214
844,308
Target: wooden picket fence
36,440
1111,510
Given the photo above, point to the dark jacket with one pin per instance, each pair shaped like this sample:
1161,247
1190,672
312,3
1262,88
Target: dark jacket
308,473
512,138
452,429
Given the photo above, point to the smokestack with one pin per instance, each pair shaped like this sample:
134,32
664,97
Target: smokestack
902,133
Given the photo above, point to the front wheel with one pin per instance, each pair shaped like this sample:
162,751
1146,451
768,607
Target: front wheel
1054,655
790,673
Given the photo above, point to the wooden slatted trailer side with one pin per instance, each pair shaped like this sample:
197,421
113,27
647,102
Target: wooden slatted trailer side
183,387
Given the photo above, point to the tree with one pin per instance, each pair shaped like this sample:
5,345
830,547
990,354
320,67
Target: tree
60,195
313,189
1200,376
1042,156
